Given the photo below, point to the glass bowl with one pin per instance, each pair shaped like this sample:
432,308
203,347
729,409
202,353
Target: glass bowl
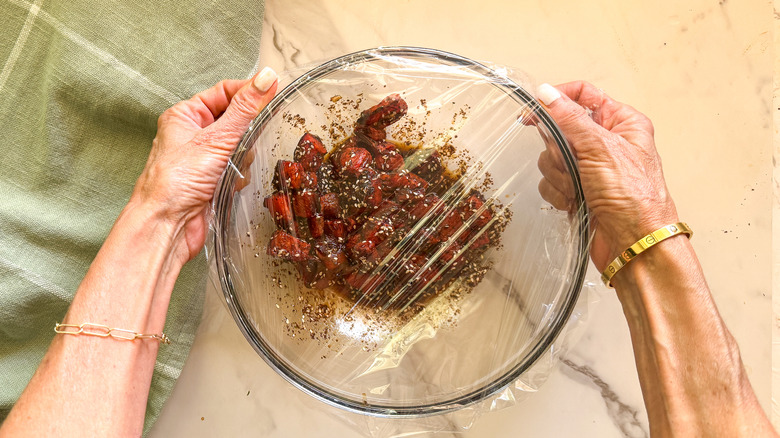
454,350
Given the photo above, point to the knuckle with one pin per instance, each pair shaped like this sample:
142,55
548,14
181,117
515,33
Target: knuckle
163,119
218,138
170,113
243,107
210,136
648,124
222,84
572,117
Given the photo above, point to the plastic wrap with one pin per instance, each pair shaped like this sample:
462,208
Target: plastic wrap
381,294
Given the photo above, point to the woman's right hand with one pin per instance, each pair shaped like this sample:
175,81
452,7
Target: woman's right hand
620,169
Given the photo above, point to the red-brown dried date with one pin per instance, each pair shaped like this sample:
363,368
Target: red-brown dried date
390,161
331,253
386,155
352,162
450,252
316,226
387,210
329,202
363,241
367,284
281,210
471,206
450,225
431,203
402,179
310,152
288,175
287,247
430,168
305,203
312,272
336,228
385,113
371,132
309,181
404,195
363,252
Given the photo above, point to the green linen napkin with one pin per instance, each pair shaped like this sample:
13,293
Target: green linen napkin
82,83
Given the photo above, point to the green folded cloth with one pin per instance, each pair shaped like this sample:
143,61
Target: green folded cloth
82,83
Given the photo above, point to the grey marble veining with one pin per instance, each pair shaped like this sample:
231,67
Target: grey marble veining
624,416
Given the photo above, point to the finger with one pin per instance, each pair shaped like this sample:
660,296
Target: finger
554,196
586,94
554,153
558,177
217,98
244,106
601,106
203,108
570,116
585,136
605,111
249,100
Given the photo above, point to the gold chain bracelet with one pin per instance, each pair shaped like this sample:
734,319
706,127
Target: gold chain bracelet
641,245
105,331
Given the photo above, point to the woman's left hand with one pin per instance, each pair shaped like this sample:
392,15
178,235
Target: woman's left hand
195,139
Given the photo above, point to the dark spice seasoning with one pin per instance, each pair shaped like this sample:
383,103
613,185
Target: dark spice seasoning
396,227
378,222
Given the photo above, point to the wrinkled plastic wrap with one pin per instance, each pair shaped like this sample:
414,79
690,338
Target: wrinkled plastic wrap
407,267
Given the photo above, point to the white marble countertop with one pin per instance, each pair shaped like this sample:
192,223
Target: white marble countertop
701,70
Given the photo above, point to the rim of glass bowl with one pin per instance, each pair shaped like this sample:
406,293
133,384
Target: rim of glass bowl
223,203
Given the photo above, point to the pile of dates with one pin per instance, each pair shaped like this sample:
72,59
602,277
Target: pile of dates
377,223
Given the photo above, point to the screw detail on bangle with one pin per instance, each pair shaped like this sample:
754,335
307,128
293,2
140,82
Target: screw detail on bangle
641,245
104,331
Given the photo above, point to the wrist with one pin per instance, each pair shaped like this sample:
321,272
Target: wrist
622,231
184,226
154,228
131,279
663,267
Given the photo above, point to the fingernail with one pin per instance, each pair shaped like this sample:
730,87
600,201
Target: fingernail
547,93
265,79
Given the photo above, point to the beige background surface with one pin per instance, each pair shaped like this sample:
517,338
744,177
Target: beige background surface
703,72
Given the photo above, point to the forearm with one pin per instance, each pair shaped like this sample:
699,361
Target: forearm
689,365
90,386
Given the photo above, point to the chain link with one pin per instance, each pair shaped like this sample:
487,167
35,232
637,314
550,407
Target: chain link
105,331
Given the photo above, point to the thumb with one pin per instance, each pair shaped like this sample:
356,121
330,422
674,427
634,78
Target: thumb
247,103
574,120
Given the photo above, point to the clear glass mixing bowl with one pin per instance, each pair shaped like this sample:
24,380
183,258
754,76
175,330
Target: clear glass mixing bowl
456,351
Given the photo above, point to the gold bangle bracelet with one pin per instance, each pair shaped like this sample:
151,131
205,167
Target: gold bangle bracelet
641,245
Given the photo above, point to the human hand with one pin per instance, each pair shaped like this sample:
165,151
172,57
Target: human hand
620,169
195,139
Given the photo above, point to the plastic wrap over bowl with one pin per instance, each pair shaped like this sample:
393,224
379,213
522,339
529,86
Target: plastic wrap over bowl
418,350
